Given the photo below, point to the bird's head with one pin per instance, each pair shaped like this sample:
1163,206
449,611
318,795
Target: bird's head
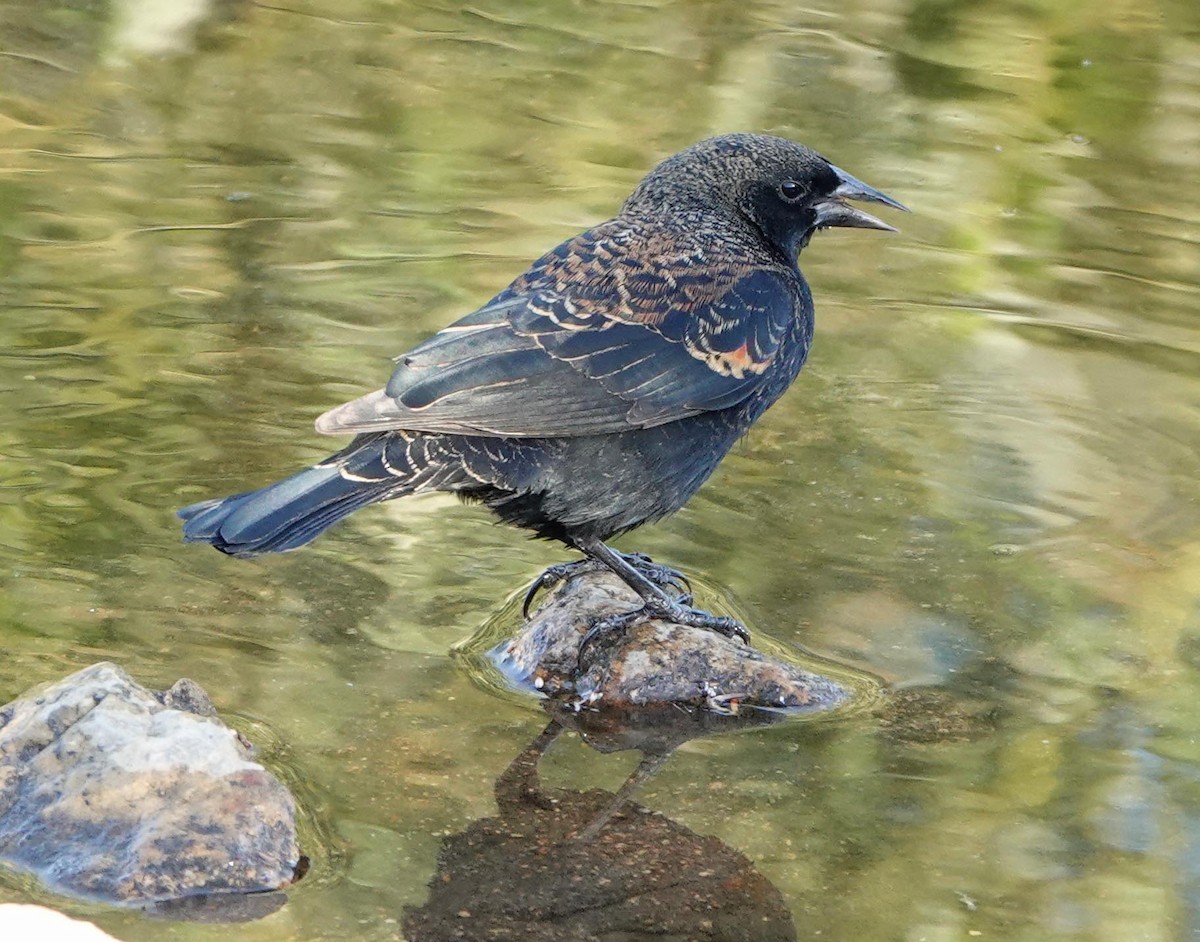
784,189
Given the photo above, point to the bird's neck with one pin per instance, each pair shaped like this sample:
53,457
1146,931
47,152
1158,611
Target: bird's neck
704,233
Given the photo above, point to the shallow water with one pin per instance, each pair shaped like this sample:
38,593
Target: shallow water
218,218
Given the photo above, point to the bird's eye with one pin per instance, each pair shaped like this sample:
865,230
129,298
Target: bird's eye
790,190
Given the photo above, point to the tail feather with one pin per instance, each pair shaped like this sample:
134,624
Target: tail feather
284,515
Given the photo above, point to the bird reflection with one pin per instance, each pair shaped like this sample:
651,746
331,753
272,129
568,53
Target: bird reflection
560,864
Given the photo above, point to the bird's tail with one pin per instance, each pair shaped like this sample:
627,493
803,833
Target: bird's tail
289,513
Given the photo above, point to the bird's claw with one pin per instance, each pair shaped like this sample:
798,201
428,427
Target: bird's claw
610,623
662,576
729,627
677,612
553,575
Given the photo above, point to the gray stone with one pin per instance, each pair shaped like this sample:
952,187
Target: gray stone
112,792
653,663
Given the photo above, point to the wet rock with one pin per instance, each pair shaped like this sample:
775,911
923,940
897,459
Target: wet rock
927,715
112,792
656,662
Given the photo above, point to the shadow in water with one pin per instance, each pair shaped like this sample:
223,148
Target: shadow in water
560,864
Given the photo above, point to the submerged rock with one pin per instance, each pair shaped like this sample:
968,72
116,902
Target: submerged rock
559,865
927,715
112,792
653,663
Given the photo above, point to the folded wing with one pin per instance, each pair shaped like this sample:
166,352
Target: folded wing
545,364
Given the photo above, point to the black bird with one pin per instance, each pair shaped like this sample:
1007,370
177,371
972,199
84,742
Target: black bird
601,388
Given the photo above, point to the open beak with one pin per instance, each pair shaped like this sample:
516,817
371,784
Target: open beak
834,211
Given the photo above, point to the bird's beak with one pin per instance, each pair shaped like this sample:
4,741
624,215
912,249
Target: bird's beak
833,211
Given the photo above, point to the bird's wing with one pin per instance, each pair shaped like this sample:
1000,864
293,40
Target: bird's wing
542,364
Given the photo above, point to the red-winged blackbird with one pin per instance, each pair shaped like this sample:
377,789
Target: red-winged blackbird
601,388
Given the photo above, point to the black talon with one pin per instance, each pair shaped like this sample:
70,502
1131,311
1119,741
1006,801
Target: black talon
529,597
697,618
676,612
648,579
605,625
553,575
657,574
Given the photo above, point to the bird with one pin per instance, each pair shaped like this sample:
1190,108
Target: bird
601,388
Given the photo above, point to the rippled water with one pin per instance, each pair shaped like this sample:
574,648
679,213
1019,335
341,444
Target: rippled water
218,218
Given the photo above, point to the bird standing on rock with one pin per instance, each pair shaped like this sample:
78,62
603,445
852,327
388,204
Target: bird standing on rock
601,388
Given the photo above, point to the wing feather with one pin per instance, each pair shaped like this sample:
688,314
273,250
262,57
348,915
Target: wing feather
544,364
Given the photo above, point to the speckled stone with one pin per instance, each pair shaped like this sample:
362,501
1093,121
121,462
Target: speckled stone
110,791
653,663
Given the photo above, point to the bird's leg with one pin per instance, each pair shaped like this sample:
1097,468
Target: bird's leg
663,576
657,603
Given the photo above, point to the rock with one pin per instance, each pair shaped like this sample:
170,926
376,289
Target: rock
21,922
925,715
109,791
656,662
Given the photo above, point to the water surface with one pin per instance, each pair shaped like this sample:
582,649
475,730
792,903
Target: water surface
219,218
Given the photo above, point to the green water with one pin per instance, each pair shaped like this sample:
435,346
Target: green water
219,218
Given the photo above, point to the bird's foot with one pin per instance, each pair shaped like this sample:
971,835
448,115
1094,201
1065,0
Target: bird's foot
678,612
662,576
